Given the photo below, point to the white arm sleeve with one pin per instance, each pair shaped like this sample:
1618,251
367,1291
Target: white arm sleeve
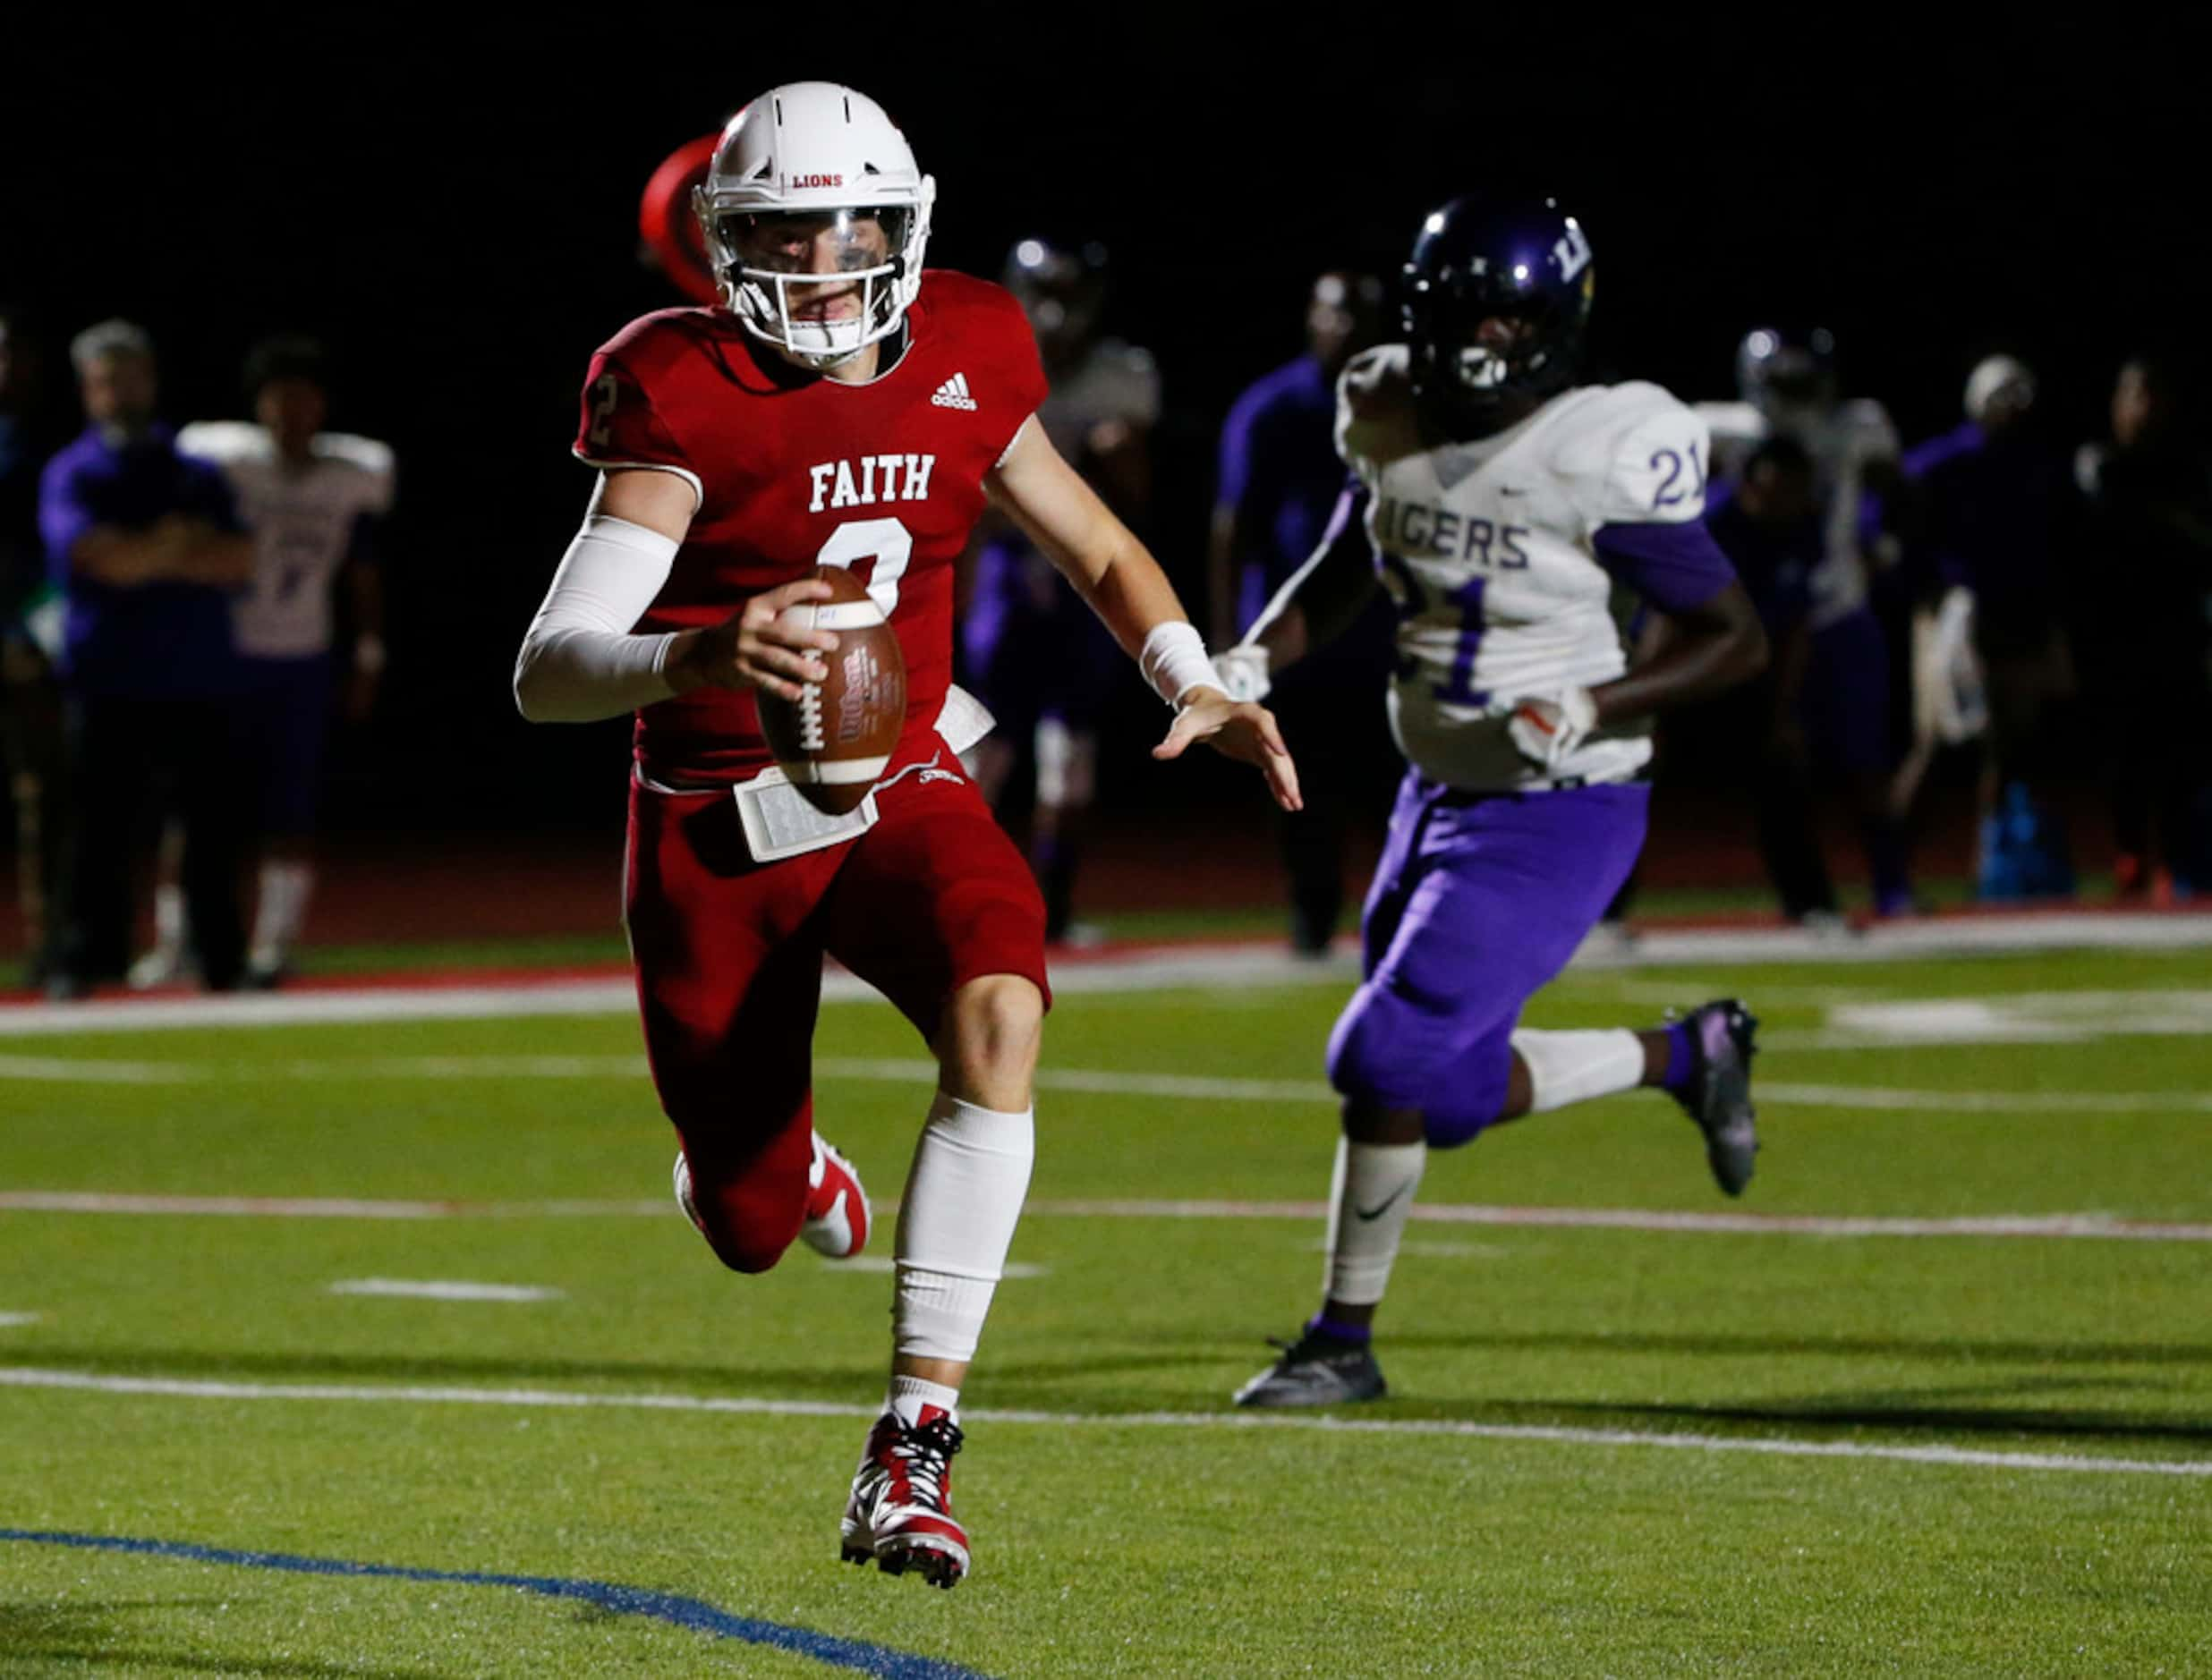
579,661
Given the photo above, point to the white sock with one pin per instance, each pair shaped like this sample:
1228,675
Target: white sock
1368,1201
1566,1067
169,916
909,1395
964,1197
281,909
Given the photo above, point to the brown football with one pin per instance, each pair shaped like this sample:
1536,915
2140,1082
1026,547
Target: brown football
835,744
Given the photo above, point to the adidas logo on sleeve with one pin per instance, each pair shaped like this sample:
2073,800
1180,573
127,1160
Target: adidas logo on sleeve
954,393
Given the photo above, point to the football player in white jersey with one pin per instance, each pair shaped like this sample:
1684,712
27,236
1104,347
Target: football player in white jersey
1514,517
311,499
1035,654
1787,382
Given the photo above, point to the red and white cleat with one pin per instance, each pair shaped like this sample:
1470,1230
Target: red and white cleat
836,1207
900,1512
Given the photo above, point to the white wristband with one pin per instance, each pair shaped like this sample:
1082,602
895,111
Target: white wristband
1174,661
1242,672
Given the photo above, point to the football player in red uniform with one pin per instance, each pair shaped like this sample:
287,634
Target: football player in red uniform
842,407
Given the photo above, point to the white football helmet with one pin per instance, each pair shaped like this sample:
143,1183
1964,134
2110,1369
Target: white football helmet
813,152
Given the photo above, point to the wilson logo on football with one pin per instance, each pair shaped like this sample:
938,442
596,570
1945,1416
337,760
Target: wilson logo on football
954,393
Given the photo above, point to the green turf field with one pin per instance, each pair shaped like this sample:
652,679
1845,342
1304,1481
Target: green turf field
1519,1511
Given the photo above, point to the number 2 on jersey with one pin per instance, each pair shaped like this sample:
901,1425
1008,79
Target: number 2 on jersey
886,541
1667,494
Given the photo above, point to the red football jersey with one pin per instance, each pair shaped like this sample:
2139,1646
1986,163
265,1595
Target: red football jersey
795,471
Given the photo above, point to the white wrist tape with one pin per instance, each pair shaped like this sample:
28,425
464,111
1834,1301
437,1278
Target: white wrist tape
1174,661
579,660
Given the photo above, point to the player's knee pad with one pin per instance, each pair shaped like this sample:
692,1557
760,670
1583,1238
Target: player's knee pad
1470,1096
1386,1047
1396,1049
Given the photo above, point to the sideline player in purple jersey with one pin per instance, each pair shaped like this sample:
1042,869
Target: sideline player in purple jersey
1512,516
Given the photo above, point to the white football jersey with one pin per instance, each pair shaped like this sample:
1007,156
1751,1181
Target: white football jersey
1843,441
1486,547
303,522
1113,382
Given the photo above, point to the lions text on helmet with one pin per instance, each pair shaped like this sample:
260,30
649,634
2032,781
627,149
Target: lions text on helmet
813,180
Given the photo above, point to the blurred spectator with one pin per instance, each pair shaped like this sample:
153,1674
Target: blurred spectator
30,696
1769,524
1038,657
1279,480
2142,632
144,544
1787,383
312,500
1994,514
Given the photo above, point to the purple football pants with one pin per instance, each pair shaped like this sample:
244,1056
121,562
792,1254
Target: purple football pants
1479,899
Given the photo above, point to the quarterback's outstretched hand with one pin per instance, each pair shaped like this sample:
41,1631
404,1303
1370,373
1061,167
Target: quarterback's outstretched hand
1244,731
754,648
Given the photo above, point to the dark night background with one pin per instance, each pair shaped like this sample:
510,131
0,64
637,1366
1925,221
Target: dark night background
453,207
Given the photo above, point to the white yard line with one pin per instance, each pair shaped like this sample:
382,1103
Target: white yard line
1886,1097
20,1377
2057,1227
319,1207
224,1206
11,1320
1178,1087
70,1070
320,1008
1190,1087
883,1263
429,1289
1930,937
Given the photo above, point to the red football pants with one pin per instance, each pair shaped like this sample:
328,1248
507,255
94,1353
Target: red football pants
729,953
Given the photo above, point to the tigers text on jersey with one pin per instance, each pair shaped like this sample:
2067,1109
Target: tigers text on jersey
793,470
303,520
1486,549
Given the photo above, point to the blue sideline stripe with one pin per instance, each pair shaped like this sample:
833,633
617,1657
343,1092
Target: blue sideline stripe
661,1606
